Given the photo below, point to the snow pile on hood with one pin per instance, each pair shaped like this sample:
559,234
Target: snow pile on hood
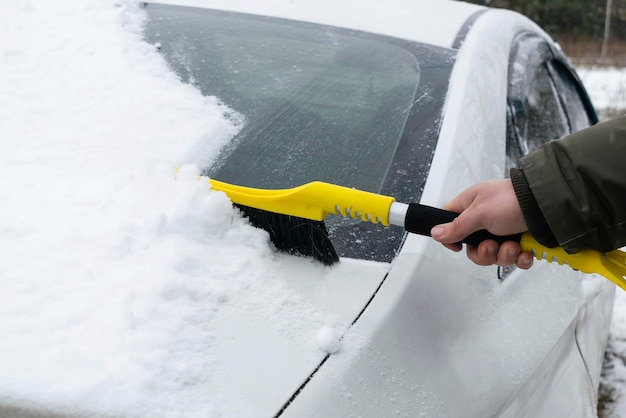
112,264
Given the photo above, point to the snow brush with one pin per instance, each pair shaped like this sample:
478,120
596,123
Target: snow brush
316,200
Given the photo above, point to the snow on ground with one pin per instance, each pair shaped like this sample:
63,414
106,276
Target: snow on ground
112,264
606,86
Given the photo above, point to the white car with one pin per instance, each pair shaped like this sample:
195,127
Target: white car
416,100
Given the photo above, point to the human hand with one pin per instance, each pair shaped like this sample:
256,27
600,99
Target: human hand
490,205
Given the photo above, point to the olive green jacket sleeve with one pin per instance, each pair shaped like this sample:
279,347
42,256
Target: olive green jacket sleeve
573,191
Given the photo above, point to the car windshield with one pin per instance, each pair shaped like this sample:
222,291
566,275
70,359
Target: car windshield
317,103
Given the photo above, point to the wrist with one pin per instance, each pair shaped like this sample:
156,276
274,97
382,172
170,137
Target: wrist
535,220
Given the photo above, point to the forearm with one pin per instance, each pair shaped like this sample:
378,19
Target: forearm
579,186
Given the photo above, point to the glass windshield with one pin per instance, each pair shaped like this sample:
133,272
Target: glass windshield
318,103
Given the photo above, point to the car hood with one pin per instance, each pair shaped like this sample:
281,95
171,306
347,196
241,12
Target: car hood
264,355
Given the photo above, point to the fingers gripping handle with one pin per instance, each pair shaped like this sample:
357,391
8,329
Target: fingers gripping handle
420,219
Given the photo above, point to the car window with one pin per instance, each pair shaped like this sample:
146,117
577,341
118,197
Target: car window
317,103
573,96
544,119
535,113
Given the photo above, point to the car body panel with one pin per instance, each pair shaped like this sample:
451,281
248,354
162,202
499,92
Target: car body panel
562,365
437,345
264,356
590,335
574,362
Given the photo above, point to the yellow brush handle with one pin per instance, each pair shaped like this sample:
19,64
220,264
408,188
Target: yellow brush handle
587,261
313,201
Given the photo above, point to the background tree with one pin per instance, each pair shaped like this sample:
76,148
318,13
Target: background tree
582,27
580,19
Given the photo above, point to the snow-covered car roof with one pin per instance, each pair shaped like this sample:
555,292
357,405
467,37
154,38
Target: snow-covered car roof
435,22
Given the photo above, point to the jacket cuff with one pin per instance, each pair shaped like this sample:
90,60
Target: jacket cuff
535,221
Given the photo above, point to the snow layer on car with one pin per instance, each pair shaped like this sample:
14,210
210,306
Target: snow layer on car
435,22
114,267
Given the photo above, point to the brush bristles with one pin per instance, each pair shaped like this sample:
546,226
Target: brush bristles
293,235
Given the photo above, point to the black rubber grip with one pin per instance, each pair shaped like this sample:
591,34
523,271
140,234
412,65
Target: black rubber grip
420,219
